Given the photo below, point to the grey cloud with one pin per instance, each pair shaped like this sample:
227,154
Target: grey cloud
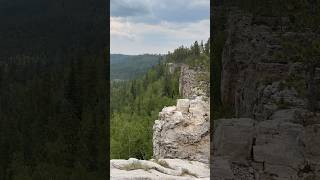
182,10
129,8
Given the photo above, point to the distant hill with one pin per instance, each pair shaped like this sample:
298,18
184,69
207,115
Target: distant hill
126,67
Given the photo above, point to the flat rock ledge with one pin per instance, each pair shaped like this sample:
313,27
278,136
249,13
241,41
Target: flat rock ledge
160,169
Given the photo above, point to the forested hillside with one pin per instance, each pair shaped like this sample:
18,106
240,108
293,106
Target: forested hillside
124,67
135,104
53,96
196,55
52,120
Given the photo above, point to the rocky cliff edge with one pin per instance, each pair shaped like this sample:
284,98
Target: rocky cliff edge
181,138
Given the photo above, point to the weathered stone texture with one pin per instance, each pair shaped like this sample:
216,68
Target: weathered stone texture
182,131
169,169
279,138
190,84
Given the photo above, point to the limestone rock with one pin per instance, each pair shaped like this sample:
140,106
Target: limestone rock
183,105
233,139
169,169
183,132
221,169
189,83
278,137
279,145
278,148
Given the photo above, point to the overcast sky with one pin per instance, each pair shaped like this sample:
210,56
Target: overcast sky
157,26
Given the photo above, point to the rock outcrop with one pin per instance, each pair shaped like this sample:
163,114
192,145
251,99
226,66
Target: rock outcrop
190,82
172,67
277,137
181,137
182,131
168,169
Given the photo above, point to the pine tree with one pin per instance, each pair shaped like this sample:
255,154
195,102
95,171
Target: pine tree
196,48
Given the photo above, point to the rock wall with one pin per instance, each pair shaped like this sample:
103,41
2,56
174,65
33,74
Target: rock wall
273,136
251,63
190,84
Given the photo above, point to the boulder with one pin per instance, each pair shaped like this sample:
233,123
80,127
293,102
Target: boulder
233,139
221,169
279,144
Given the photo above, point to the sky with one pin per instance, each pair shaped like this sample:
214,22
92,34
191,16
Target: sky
157,26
